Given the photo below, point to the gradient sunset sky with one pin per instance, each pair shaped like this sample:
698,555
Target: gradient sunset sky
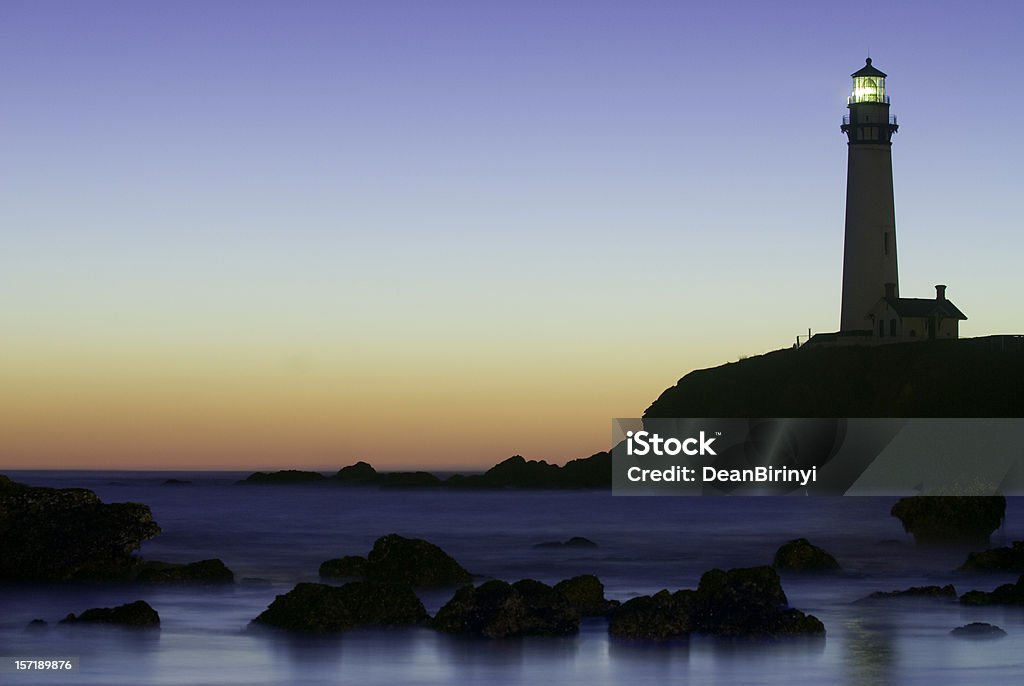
436,234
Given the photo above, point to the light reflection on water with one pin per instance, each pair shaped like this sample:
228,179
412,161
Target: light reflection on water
279,535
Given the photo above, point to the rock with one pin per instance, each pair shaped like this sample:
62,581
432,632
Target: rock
497,609
799,555
1007,594
1009,559
517,472
352,566
37,625
586,594
413,561
736,603
320,608
982,630
950,519
205,571
176,482
137,615
574,542
50,534
660,616
947,592
284,476
358,473
748,602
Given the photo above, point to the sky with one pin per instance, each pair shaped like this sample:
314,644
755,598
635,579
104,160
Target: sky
252,235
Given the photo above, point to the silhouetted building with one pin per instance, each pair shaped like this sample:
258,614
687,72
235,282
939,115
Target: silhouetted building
872,310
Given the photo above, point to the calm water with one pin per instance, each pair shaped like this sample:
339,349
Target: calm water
274,537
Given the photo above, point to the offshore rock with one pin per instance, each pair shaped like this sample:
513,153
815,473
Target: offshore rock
950,519
747,603
799,555
284,476
497,609
211,571
319,608
947,592
50,534
350,566
574,542
135,615
1007,594
978,630
586,594
413,561
1006,559
657,617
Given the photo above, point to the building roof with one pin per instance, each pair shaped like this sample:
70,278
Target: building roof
925,307
868,70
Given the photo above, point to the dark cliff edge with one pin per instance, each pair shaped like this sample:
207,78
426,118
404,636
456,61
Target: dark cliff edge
971,377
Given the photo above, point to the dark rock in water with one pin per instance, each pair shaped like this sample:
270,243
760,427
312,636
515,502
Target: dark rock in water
745,603
574,542
517,472
408,480
138,614
50,534
37,625
799,555
586,594
748,602
352,566
497,609
413,561
284,476
660,616
358,473
320,608
947,592
981,630
205,571
1009,559
1007,594
950,519
177,482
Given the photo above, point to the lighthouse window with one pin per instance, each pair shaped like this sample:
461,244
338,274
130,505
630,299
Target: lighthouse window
881,328
892,327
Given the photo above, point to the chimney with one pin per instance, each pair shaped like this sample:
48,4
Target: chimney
890,290
940,292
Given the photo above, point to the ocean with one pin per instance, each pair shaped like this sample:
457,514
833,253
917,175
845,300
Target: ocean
273,537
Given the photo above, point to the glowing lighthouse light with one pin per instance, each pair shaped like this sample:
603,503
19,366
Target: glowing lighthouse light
868,85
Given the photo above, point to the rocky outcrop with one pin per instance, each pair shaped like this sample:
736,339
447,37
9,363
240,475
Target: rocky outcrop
1006,559
799,555
746,602
135,615
360,473
350,566
49,534
399,560
586,594
413,561
950,519
318,608
947,592
1007,594
517,472
656,617
497,609
978,630
284,476
211,571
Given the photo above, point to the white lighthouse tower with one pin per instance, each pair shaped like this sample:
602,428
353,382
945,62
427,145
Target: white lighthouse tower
869,254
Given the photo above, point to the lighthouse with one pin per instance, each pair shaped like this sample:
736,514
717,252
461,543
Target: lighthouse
872,310
869,251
